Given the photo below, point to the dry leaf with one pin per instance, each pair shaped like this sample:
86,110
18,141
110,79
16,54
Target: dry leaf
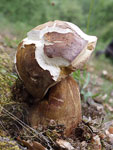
110,130
32,145
109,135
38,146
94,104
96,141
108,107
64,144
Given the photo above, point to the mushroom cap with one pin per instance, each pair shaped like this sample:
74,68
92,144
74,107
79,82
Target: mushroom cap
50,53
61,105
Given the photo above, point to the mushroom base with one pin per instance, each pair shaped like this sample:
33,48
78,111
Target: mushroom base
61,104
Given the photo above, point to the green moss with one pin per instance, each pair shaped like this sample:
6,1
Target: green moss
7,78
8,144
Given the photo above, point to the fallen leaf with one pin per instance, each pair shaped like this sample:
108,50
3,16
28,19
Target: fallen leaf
64,144
92,103
109,135
110,130
96,141
108,107
32,145
38,146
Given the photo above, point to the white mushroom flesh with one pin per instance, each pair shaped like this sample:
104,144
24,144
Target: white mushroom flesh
53,64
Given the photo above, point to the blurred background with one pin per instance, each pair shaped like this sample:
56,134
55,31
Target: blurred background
94,17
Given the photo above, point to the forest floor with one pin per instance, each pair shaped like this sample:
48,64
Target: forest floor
94,132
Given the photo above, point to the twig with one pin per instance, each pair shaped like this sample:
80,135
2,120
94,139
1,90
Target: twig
27,127
4,128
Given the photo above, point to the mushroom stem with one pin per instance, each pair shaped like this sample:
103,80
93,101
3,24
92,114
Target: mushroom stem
61,105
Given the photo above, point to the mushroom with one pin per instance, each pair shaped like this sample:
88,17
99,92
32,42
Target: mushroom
50,53
44,61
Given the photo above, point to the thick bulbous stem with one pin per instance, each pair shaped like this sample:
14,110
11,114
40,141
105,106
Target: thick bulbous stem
62,104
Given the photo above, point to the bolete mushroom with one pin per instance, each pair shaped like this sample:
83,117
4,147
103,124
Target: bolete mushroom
44,60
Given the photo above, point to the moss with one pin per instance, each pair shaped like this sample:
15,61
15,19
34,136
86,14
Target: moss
7,78
8,144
